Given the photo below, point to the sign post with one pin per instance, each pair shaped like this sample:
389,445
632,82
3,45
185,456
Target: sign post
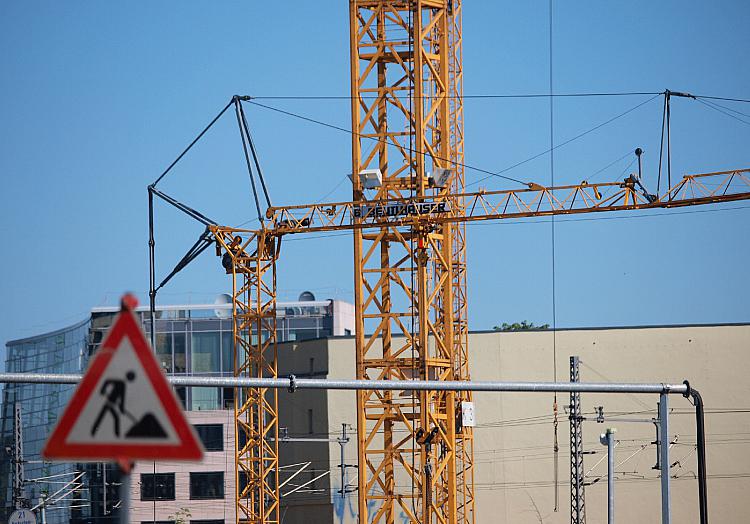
124,408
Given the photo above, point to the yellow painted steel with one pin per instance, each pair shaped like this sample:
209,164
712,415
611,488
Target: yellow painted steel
392,448
415,458
404,277
250,259
532,201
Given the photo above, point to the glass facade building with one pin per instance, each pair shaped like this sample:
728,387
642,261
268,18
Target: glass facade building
63,351
190,340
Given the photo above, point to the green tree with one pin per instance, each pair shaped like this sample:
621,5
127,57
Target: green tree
519,326
181,516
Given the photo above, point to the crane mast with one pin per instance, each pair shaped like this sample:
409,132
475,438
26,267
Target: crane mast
250,259
407,127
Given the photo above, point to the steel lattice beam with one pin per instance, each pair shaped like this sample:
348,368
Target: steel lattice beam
251,262
404,275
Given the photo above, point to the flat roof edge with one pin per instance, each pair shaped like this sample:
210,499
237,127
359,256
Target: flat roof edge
50,333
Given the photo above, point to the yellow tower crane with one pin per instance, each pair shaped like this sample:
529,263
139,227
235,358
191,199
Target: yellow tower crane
427,424
408,215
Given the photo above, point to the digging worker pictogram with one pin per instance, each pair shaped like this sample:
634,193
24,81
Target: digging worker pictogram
115,404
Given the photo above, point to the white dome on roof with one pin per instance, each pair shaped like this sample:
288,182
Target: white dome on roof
306,296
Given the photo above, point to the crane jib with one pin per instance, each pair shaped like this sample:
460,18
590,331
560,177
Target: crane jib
400,209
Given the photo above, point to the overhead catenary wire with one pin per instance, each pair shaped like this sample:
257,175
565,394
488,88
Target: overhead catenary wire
555,422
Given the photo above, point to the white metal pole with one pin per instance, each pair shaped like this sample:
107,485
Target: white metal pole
608,440
666,511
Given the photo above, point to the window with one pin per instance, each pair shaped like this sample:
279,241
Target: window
205,398
227,351
207,485
157,486
164,351
179,353
157,522
241,438
310,421
206,352
228,397
182,395
211,435
243,481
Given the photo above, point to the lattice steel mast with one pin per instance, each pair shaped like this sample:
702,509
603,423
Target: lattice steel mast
577,490
404,275
250,259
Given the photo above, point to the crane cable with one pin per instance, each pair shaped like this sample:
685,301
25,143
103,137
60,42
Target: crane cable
556,444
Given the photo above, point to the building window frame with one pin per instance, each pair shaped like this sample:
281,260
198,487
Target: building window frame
201,480
157,486
213,442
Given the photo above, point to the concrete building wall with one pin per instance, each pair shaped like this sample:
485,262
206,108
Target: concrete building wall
514,435
214,509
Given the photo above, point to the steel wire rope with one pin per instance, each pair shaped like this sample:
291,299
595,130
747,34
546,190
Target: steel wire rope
743,100
238,107
561,144
490,174
466,97
727,108
375,139
627,168
592,176
607,379
492,486
722,111
195,140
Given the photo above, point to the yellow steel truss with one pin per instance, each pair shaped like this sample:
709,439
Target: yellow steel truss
390,235
415,458
464,435
404,72
250,259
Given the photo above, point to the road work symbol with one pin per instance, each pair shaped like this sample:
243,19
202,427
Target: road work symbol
114,390
124,407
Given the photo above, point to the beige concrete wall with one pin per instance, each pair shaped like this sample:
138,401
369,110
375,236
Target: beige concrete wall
213,461
514,438
304,417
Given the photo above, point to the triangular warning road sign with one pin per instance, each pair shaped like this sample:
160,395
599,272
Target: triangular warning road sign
124,409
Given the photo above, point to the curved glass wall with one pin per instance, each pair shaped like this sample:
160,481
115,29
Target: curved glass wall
63,351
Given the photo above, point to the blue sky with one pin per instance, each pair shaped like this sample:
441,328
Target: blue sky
98,98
